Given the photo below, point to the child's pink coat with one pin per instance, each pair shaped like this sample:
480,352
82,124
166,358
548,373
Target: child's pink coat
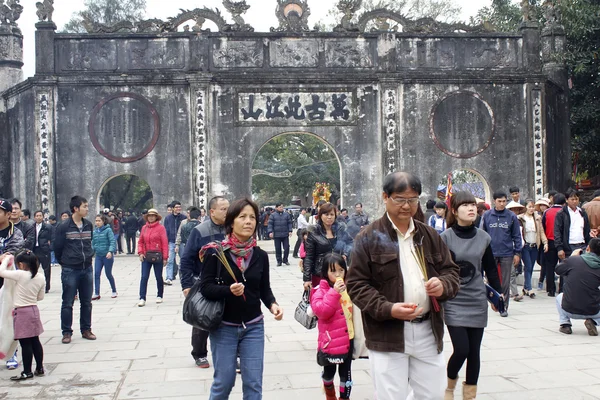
333,330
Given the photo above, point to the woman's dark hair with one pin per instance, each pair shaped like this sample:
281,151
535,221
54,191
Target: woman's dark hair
104,218
329,261
235,209
326,208
430,204
532,201
441,204
303,232
398,182
28,258
458,199
481,208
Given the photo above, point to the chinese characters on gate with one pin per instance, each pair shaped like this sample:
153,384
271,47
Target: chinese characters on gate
290,107
538,156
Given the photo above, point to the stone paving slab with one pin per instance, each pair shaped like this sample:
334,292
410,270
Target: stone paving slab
144,353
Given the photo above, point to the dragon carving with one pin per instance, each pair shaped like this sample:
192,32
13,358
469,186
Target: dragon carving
236,9
10,12
349,9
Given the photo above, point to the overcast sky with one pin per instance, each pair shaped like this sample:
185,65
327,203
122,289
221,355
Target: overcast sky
261,16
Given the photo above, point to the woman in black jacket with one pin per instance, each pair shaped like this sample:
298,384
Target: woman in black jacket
326,236
242,330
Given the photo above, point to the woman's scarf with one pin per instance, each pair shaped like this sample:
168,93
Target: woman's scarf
241,250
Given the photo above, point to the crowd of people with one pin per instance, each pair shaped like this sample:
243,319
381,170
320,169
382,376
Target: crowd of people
395,274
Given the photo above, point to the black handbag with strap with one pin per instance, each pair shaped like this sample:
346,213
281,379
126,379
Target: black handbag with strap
200,312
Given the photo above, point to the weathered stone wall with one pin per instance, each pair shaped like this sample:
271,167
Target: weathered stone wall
188,112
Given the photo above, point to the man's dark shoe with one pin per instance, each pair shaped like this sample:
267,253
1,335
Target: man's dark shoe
66,338
40,372
504,314
286,263
279,264
591,327
551,294
88,335
566,329
22,377
202,362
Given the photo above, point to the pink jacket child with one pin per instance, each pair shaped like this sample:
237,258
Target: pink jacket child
333,329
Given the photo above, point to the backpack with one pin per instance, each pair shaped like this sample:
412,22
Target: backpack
187,230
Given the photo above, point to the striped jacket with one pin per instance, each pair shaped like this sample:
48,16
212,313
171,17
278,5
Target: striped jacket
72,246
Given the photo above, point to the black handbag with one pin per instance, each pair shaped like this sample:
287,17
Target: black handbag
154,257
200,312
301,313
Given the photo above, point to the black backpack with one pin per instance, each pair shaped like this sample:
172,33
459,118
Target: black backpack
187,230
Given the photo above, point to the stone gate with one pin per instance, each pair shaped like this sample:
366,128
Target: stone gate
187,109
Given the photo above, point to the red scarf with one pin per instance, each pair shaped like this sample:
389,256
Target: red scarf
241,250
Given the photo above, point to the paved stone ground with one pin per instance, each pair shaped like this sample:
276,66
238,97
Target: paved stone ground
143,353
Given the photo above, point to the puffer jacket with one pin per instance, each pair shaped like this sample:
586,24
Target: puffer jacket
317,245
104,241
153,237
333,329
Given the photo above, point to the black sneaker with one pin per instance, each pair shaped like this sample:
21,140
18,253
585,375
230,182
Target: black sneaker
566,329
279,264
22,377
40,372
202,362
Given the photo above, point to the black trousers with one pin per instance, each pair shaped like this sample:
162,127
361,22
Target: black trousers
119,244
44,258
345,372
550,260
467,346
298,243
32,347
199,343
285,242
130,238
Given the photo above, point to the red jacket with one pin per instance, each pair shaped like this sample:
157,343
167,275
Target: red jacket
333,330
153,237
548,221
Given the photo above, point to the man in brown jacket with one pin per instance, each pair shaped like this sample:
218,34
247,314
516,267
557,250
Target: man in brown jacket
400,303
592,209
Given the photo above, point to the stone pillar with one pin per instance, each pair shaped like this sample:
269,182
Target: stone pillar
44,149
44,48
199,103
554,42
531,46
11,59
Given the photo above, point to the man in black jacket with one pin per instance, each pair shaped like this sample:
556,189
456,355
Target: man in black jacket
25,227
43,244
581,295
74,252
280,229
571,227
131,228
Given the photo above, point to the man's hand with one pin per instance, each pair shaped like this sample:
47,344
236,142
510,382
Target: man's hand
594,233
406,311
561,255
237,289
546,248
307,285
142,257
165,262
270,235
516,260
290,234
277,311
109,255
186,292
434,287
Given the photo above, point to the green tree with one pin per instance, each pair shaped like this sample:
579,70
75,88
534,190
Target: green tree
581,19
126,192
308,161
107,12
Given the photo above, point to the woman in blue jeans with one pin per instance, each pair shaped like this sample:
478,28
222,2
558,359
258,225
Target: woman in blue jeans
104,244
534,238
153,248
243,286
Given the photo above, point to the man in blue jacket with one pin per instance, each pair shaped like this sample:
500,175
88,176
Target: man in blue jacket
74,252
171,224
280,229
211,230
504,228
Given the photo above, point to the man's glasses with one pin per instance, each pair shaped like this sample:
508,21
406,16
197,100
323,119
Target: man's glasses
401,201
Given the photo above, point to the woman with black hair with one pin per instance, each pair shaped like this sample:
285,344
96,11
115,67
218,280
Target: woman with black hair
243,284
466,314
325,237
29,289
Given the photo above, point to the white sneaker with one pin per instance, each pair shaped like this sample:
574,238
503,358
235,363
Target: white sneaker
168,282
158,300
142,303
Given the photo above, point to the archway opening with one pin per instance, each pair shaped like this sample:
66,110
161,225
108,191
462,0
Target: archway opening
126,192
467,180
288,168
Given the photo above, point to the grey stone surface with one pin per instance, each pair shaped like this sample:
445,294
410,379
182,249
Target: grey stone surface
144,353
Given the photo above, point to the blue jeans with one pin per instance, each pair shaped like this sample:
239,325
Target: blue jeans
52,258
73,281
225,343
171,262
564,317
108,265
158,268
529,255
